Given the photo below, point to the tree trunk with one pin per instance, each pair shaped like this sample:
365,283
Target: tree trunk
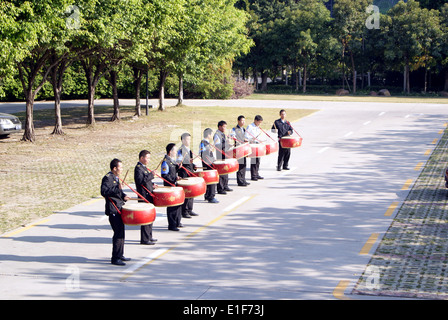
56,79
163,75
305,75
113,75
254,74
180,100
29,134
408,85
264,81
138,73
91,105
353,71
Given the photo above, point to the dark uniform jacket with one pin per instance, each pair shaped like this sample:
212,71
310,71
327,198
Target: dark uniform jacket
169,171
206,153
184,157
143,178
284,128
111,191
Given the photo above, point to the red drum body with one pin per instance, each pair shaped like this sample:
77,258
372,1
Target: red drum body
226,166
271,147
138,214
258,150
209,176
193,186
168,196
291,142
240,151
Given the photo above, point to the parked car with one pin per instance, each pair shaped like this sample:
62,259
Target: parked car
9,124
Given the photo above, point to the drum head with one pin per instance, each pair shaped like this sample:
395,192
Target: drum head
138,206
190,181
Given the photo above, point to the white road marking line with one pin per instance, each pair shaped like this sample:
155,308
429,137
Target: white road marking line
382,114
236,204
323,150
149,257
348,134
366,123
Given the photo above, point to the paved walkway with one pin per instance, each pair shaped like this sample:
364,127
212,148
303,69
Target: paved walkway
412,258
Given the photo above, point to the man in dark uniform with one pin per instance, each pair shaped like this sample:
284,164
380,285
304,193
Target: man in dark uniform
185,160
208,158
222,145
283,129
238,134
115,199
169,173
143,181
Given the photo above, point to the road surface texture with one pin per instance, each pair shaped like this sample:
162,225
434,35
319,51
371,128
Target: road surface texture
306,233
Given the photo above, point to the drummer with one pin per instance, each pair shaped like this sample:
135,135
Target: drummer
143,180
238,134
185,161
222,145
283,128
115,199
169,173
253,134
207,163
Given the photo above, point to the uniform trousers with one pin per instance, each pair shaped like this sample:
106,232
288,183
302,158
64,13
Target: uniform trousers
187,206
118,238
174,215
283,157
241,173
254,167
223,183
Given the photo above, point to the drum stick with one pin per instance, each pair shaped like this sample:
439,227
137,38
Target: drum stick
163,179
115,206
293,128
135,191
267,134
255,138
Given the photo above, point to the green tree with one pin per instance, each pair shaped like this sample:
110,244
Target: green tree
410,38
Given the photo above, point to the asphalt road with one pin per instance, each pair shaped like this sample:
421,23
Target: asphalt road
307,233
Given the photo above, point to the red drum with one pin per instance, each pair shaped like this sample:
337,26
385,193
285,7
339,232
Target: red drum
271,147
193,186
258,150
226,166
138,214
168,196
209,176
291,142
240,151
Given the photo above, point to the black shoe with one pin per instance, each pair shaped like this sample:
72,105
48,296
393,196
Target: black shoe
153,240
279,169
193,214
180,225
242,184
228,189
254,179
173,229
214,200
148,242
118,262
125,259
222,192
260,178
286,168
186,216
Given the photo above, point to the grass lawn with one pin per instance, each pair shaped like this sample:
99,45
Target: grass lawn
57,172
302,97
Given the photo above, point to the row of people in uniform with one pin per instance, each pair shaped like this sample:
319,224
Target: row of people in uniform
178,164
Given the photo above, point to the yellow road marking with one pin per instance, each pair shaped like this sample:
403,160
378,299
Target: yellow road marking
369,244
13,233
418,166
434,141
88,203
190,235
338,292
391,209
407,184
428,152
441,131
